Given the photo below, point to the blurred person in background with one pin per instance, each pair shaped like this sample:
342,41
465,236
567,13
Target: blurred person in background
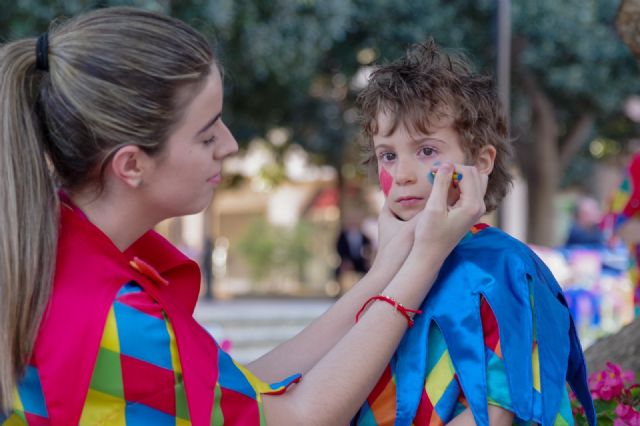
354,249
586,229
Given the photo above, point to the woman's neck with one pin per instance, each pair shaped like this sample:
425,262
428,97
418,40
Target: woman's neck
118,215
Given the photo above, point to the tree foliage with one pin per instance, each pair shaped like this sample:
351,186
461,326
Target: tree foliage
295,63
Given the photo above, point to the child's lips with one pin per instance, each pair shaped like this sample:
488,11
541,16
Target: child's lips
409,201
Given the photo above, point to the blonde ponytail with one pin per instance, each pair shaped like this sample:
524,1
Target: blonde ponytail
116,76
28,214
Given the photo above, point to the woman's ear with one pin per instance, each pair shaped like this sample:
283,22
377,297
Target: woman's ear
486,159
128,165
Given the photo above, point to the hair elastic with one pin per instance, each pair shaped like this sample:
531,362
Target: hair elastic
42,52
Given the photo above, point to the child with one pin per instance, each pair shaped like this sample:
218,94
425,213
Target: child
495,341
124,107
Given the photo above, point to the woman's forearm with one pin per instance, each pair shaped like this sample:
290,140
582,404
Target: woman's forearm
331,391
303,351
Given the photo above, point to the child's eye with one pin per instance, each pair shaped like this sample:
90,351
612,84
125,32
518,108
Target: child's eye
209,141
386,156
426,151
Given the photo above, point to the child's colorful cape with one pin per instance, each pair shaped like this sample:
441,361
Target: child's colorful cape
499,268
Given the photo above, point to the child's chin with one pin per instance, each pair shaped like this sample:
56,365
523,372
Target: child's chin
404,215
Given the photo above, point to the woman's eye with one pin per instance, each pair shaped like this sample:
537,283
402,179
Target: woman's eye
209,141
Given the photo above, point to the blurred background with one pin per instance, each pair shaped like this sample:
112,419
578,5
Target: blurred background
294,223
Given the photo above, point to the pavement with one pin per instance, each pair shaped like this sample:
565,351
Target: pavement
255,326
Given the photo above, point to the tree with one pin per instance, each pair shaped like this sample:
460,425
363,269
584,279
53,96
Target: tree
293,63
571,74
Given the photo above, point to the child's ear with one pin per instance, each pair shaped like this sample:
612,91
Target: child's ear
486,159
128,165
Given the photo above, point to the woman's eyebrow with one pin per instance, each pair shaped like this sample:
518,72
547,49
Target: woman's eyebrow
210,123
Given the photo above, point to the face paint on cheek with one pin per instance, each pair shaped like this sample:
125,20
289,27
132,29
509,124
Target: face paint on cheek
385,182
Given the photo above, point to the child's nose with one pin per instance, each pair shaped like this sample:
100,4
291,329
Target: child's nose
405,173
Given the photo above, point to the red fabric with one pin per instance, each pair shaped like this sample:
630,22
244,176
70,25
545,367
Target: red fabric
141,382
143,303
489,326
239,409
633,205
89,272
35,420
380,386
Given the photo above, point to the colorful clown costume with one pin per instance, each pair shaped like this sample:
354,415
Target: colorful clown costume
625,206
494,330
130,353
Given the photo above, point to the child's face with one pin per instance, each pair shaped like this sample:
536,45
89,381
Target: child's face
405,160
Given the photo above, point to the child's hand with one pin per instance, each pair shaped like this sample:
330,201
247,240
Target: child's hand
443,224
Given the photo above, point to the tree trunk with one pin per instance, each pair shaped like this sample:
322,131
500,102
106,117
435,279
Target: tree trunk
543,177
621,348
548,159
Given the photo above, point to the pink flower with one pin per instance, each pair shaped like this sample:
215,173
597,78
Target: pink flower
628,376
615,384
605,393
624,411
614,368
628,415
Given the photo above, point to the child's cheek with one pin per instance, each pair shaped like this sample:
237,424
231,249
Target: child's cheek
386,181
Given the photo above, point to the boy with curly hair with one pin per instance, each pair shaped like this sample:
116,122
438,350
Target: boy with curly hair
495,343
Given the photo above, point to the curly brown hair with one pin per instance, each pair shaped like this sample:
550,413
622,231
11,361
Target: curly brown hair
428,84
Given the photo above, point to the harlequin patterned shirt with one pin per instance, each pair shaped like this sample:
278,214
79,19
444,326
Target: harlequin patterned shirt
137,378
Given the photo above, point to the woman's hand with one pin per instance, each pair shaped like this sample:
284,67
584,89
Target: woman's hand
395,239
440,225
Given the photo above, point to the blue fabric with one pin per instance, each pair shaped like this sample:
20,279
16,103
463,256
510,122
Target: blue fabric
494,265
30,391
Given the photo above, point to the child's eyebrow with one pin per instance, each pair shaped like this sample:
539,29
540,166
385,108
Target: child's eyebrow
383,146
428,139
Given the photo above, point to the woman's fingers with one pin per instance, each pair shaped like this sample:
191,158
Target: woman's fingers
439,192
472,190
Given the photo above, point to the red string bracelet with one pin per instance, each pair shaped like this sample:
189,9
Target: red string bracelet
405,312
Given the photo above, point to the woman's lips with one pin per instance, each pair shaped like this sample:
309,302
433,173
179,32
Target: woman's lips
215,179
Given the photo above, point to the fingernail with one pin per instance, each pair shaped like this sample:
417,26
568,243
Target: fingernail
431,176
446,166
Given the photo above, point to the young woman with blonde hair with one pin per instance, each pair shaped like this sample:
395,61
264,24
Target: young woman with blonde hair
111,123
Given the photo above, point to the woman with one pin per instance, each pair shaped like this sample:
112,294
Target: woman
124,108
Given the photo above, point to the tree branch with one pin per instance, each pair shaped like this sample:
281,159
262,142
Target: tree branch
576,139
